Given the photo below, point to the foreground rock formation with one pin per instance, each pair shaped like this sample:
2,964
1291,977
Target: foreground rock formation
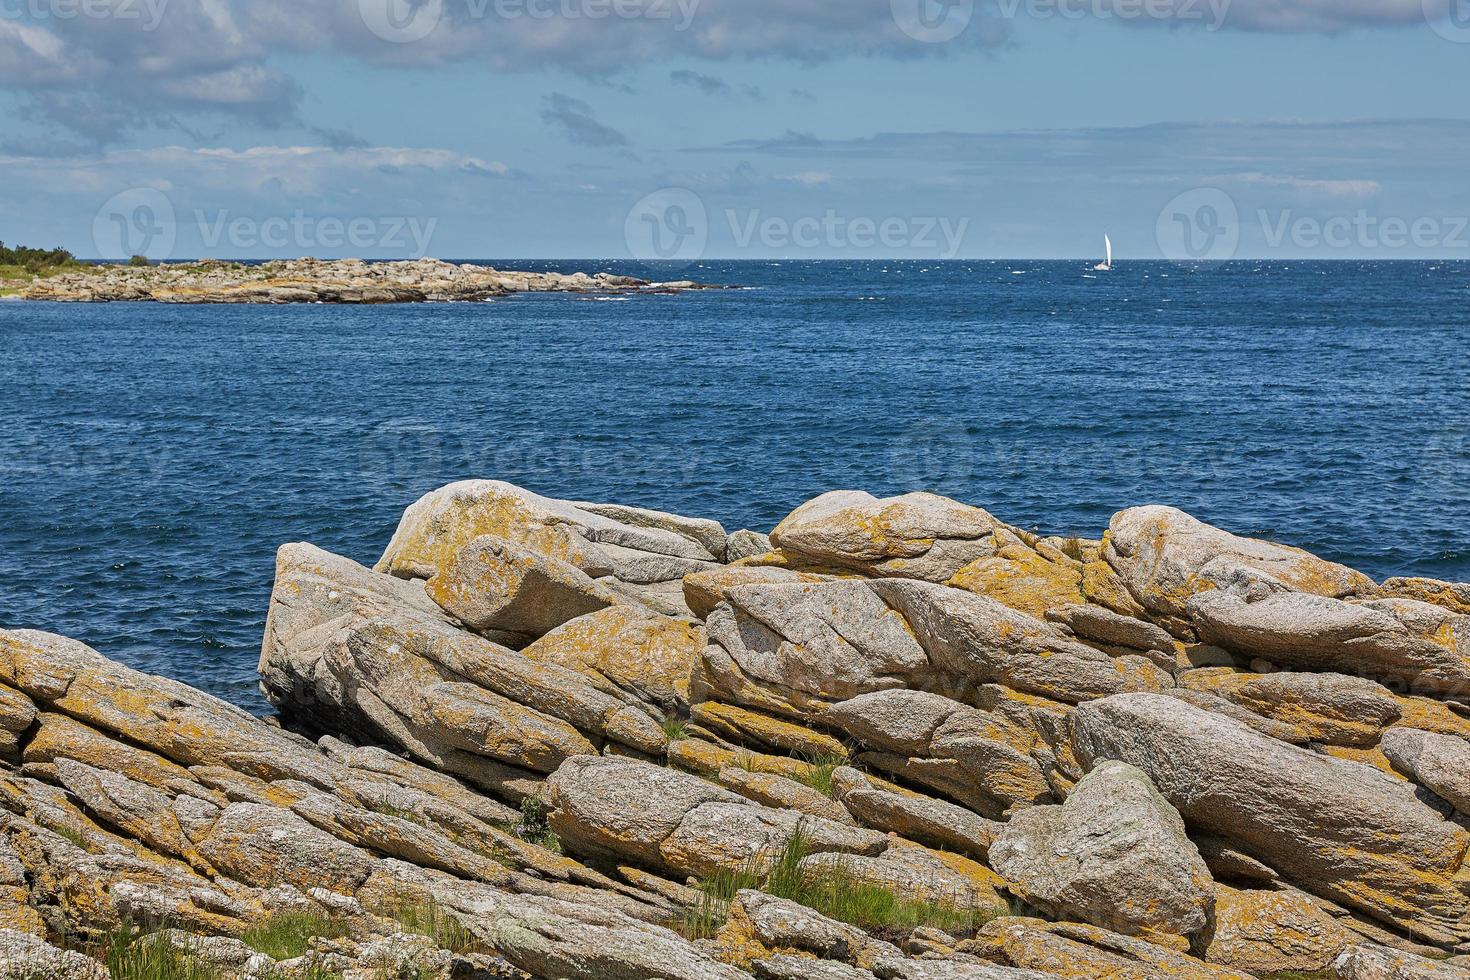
321,281
894,739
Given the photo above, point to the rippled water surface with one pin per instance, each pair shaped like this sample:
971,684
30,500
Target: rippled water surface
152,458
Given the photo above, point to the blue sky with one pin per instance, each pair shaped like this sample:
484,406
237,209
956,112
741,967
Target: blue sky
746,128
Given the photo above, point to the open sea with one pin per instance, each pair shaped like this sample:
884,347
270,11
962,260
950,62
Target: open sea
152,458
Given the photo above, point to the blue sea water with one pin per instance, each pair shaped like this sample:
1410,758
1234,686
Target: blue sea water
152,458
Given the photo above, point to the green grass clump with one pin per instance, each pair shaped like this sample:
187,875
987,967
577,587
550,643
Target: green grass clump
152,957
819,777
1301,975
429,920
675,729
834,891
535,825
288,935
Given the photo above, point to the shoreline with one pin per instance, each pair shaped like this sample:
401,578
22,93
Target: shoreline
340,281
537,737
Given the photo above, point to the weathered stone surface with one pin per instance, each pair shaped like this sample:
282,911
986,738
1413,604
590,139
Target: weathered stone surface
1273,931
493,586
643,658
1366,962
703,591
1411,646
952,970
782,793
917,872
747,544
1032,579
1339,829
974,637
744,726
676,822
709,535
435,529
834,640
1087,953
1164,557
789,966
760,924
25,957
1330,708
268,846
1454,596
918,535
1439,763
1115,854
898,721
918,818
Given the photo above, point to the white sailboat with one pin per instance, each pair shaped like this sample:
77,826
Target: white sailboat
1107,264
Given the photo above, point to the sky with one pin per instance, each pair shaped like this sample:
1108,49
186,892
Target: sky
674,130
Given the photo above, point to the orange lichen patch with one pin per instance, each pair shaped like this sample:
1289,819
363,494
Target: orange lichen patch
626,649
1454,596
1101,585
1084,952
1273,931
1023,579
740,724
1432,716
62,737
430,539
1369,757
1421,897
706,759
1315,716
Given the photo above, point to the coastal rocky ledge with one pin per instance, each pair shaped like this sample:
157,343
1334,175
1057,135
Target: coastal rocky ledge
895,739
321,281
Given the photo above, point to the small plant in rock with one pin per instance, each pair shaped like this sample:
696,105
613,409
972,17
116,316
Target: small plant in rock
535,825
819,777
675,729
130,955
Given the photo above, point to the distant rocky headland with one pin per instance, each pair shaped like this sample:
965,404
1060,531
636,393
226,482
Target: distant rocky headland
317,281
893,739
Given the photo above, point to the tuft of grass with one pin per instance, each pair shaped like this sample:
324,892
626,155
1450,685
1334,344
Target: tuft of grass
71,834
130,956
288,935
430,920
675,729
535,825
819,777
835,891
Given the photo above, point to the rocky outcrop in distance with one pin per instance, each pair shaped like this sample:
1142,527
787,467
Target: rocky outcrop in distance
324,281
893,739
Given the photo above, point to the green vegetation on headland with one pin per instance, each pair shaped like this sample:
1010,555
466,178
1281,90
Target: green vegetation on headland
19,265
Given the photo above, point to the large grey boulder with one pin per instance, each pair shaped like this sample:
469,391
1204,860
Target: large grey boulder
1335,828
1440,763
1115,855
918,535
835,640
1164,556
1367,962
492,585
1411,646
977,638
672,821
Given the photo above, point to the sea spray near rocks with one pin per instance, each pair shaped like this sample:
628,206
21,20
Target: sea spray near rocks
896,739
